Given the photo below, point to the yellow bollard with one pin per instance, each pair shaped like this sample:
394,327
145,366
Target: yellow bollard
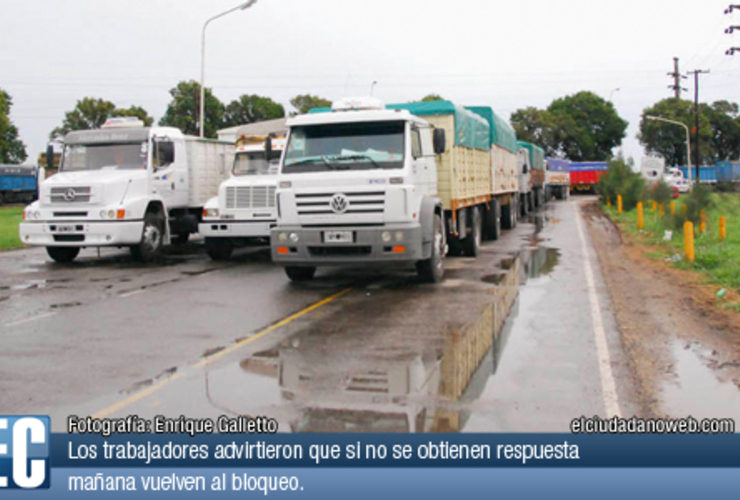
688,240
703,222
685,209
662,211
609,202
655,206
673,209
722,227
619,203
640,216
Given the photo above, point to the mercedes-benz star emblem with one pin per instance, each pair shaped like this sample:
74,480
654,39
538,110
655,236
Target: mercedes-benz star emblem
70,195
339,203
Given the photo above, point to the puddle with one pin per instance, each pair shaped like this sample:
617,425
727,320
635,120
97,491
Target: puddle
65,305
29,285
696,390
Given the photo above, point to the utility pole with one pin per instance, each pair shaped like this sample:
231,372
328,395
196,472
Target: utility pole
697,154
676,87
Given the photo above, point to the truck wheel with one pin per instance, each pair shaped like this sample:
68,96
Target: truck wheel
151,239
300,273
471,243
524,206
508,215
63,254
432,270
219,248
492,221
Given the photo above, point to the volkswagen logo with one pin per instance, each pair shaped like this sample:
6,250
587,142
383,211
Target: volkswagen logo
339,203
70,195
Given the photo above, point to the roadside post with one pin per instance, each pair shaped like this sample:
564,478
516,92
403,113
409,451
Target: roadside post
703,222
688,240
655,206
662,211
722,227
673,209
640,216
619,203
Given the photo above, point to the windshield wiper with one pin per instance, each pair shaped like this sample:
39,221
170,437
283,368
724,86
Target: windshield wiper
357,157
307,161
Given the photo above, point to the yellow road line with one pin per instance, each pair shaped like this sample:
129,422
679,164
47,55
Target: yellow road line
159,385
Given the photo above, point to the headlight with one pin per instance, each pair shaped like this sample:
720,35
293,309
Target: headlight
283,237
294,237
103,214
286,184
399,235
210,212
35,214
386,237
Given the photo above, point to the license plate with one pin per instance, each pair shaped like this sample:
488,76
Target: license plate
66,228
338,237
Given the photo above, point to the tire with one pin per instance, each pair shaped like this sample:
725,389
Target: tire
63,255
432,269
471,243
524,206
492,221
219,248
508,215
152,234
299,274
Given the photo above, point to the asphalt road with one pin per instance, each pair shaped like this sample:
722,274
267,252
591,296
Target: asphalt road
520,339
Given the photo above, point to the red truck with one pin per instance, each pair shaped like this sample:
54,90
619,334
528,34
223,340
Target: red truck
584,176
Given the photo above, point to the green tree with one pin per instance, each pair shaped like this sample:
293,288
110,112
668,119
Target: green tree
250,109
137,112
588,127
182,111
725,123
89,113
432,97
306,102
536,126
12,149
669,140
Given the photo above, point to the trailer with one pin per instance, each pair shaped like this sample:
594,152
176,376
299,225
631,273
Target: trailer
728,171
707,174
537,162
584,176
557,180
18,183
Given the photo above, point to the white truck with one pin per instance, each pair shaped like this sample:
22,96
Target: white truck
125,185
653,168
359,185
370,184
245,209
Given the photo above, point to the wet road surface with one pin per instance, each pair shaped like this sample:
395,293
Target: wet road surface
505,344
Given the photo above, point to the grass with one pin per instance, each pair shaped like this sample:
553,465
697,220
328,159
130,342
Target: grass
717,259
10,217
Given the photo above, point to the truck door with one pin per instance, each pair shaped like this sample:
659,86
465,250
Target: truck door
425,167
170,171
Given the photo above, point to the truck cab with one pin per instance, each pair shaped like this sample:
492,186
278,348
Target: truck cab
358,185
244,209
124,185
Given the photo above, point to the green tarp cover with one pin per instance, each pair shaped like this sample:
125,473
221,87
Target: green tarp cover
536,155
502,133
470,129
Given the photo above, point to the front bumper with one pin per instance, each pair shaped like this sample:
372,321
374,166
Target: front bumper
81,233
236,229
367,246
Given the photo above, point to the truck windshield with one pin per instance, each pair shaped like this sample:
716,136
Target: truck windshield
255,163
121,156
345,146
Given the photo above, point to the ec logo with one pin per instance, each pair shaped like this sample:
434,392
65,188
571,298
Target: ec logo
24,452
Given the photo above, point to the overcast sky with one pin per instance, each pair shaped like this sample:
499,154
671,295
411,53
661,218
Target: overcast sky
503,53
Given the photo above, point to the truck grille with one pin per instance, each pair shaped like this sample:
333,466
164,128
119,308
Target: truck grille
357,203
250,197
71,194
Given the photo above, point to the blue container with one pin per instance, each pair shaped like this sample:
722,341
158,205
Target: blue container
728,171
557,165
707,173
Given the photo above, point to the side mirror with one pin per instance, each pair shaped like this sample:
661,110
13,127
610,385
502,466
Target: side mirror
49,156
440,141
268,147
525,169
165,151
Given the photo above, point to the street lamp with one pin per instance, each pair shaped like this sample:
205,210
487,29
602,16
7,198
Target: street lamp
688,140
612,93
243,6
